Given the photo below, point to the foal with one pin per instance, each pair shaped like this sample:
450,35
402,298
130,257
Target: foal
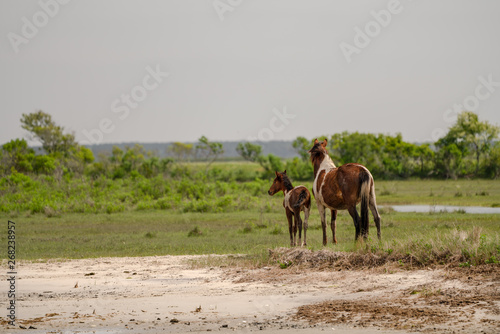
296,199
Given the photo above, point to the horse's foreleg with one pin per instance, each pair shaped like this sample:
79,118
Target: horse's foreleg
333,225
289,216
355,218
298,224
321,210
306,224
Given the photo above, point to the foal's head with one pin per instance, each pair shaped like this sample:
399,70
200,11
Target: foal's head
281,182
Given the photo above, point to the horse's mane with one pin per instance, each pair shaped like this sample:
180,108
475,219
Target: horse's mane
315,156
317,153
286,182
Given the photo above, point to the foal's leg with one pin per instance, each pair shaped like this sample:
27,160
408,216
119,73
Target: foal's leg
321,210
298,224
289,216
355,218
333,225
306,224
374,210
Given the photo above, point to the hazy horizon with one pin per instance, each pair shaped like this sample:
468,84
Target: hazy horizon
166,71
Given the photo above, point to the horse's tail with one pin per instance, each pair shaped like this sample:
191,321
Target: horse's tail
365,182
303,196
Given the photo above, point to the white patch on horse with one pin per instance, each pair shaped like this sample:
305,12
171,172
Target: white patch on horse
321,190
286,201
327,165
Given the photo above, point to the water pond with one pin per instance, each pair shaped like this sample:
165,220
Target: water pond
445,208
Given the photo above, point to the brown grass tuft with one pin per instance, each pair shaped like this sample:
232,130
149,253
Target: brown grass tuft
326,259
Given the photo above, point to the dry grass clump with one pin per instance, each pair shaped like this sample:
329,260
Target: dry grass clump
456,248
324,259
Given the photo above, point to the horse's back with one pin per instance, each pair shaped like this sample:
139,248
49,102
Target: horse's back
339,188
306,195
298,197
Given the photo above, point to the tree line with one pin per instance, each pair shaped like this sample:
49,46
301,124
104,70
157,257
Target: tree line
470,148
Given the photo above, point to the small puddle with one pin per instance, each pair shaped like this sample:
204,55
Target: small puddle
445,208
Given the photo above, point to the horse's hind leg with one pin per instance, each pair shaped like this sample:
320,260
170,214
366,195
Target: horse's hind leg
356,219
289,216
374,210
306,224
333,225
298,224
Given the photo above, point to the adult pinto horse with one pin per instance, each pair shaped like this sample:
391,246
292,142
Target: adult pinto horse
296,199
342,188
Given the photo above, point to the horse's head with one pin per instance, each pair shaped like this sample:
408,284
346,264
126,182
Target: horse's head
318,149
277,183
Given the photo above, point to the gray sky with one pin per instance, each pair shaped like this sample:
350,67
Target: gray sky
247,69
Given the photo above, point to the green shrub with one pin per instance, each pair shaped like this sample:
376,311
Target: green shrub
112,208
20,179
224,202
163,203
44,164
195,232
197,206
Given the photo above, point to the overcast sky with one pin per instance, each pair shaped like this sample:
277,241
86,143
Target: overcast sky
158,71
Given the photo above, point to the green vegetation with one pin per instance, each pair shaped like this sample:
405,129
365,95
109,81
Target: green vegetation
53,196
470,149
422,239
131,203
42,194
439,192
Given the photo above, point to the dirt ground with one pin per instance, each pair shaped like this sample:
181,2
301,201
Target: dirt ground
165,294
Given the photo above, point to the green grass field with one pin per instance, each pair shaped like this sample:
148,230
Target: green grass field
262,226
161,233
444,192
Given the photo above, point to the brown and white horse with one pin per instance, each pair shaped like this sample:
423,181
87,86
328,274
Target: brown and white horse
343,188
296,199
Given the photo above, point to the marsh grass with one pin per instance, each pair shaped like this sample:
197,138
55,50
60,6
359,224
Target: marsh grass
455,248
146,217
452,247
412,239
55,197
138,234
195,232
150,235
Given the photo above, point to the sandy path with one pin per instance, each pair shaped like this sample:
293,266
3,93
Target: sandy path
163,294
